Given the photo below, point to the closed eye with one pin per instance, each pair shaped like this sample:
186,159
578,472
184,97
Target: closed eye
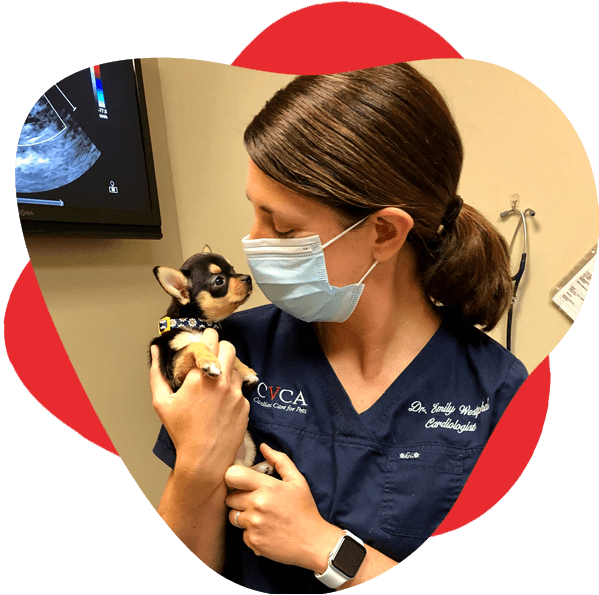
283,234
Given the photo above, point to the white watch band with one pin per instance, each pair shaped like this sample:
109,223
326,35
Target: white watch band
332,577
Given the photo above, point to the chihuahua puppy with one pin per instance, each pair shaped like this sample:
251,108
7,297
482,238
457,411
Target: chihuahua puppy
204,291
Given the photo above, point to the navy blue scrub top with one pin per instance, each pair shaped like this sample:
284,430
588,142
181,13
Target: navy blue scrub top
390,474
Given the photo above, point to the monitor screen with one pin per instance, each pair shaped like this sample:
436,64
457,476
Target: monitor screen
84,161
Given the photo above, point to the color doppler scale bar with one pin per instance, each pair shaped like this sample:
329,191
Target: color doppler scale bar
98,91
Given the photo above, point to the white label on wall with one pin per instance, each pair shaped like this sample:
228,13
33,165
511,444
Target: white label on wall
571,292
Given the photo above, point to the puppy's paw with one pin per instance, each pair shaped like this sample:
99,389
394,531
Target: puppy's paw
203,358
265,468
211,369
251,380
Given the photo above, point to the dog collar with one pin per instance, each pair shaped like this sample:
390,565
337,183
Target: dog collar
168,324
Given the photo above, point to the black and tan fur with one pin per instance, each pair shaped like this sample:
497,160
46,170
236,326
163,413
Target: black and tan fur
207,288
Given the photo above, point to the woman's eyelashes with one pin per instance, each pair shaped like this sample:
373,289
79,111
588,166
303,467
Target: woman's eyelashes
283,234
281,229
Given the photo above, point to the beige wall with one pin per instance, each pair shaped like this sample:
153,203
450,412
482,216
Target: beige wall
517,141
207,108
105,301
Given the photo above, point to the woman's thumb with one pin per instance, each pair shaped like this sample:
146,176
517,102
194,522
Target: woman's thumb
282,463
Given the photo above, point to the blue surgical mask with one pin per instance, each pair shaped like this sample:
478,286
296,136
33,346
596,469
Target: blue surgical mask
293,276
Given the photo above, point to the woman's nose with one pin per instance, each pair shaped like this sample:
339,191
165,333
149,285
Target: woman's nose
256,231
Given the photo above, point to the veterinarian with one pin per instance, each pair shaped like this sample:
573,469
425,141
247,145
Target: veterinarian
377,390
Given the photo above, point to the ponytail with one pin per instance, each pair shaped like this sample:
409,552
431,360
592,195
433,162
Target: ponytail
360,141
468,272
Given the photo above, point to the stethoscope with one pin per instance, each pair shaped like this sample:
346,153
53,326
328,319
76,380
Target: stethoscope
518,276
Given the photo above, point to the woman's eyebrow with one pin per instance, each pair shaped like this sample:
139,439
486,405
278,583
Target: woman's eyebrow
263,208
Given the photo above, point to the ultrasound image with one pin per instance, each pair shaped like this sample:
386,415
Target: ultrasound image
81,154
53,150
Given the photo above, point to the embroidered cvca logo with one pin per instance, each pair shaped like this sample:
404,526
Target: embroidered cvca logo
283,399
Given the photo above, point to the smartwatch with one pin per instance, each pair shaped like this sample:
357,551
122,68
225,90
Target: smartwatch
344,561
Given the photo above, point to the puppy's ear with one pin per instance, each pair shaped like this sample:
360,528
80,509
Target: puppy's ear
174,282
207,249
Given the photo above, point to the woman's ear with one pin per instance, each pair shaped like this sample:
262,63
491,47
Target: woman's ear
392,226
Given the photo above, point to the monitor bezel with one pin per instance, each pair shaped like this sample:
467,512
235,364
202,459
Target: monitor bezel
105,223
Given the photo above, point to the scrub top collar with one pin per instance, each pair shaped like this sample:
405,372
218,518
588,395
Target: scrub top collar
369,419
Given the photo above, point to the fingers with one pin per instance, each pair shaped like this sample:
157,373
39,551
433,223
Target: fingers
238,500
210,338
225,352
282,463
234,518
245,479
226,356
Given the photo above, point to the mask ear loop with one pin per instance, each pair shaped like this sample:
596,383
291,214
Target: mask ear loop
344,232
341,235
368,272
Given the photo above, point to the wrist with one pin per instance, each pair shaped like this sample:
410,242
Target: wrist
198,479
344,562
322,547
208,459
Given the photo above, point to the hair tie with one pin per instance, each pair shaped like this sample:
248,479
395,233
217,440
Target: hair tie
451,214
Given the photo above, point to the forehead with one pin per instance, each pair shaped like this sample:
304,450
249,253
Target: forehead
273,198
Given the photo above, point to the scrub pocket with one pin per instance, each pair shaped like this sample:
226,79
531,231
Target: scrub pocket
421,485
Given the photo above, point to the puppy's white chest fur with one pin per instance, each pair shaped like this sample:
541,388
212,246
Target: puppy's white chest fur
194,337
247,450
182,340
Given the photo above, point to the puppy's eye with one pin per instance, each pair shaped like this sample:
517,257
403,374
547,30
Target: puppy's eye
219,280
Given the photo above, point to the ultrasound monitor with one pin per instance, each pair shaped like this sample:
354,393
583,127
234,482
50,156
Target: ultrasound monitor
84,163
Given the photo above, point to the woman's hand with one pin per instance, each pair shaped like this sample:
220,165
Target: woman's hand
207,417
279,517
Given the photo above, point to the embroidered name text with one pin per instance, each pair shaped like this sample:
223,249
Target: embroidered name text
465,409
450,425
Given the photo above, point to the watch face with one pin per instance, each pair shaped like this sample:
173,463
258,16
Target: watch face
349,557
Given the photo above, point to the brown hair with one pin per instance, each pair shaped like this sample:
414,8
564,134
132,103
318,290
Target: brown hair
362,140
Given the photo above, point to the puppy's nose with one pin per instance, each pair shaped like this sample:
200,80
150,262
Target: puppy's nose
247,280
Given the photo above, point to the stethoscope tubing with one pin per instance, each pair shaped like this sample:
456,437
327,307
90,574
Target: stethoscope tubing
520,273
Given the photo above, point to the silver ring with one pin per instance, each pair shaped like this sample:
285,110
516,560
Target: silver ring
235,520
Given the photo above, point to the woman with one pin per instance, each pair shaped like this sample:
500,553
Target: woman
377,392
